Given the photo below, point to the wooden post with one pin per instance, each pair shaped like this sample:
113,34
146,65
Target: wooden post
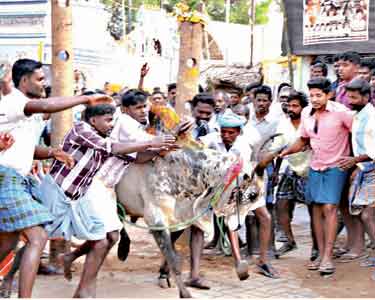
62,85
191,37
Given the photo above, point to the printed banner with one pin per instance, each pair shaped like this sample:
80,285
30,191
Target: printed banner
335,21
321,27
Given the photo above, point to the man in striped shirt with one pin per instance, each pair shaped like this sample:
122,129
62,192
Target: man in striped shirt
64,188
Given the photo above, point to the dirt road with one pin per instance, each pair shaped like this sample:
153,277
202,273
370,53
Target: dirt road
136,278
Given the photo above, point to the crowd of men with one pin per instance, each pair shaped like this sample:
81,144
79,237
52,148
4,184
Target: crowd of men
326,164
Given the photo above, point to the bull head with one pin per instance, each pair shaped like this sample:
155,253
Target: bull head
252,185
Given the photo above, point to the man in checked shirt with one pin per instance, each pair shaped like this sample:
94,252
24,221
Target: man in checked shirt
64,189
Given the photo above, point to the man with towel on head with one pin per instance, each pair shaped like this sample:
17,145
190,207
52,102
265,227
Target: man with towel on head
230,139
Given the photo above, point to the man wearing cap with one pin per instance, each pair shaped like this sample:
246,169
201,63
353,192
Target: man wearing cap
230,139
362,189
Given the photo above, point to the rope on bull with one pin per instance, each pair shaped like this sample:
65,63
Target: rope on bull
223,239
181,225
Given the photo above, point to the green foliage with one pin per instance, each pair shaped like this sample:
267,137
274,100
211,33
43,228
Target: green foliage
261,12
117,23
215,8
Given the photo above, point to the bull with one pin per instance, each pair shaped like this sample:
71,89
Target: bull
171,190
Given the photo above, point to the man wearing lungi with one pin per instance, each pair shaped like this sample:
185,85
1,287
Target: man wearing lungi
325,127
64,190
294,171
230,139
20,116
362,189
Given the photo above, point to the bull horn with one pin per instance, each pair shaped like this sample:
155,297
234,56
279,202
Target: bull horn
267,158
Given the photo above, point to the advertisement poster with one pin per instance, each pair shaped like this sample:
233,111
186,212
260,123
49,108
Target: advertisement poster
327,21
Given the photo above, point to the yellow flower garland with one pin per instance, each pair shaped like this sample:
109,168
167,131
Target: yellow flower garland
184,14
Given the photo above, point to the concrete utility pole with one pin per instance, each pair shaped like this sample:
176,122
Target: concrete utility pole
252,26
62,85
287,43
227,11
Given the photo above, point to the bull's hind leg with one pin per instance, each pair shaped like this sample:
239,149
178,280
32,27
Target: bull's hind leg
163,239
164,277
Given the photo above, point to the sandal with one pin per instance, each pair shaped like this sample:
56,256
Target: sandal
164,282
287,247
268,271
349,257
337,253
198,283
5,292
368,263
314,254
327,268
314,265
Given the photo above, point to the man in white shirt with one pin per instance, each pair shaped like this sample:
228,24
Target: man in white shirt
20,214
131,126
230,140
293,171
362,196
265,125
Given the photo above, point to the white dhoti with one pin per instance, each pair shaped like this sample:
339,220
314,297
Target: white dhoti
103,201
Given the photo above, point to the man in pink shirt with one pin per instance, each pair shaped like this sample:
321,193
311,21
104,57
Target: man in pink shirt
325,126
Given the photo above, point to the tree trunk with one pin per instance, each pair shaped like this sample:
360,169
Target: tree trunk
62,85
191,38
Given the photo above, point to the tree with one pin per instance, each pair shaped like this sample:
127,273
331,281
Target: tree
116,24
215,9
261,12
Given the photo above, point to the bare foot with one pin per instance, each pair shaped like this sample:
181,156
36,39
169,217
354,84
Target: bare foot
82,293
66,261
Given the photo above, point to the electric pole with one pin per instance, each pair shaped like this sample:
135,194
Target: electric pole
287,43
252,26
62,85
227,11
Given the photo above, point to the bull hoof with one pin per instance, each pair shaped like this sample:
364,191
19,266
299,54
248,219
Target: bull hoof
242,270
164,282
185,294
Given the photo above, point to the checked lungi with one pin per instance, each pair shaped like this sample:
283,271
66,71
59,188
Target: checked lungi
291,187
362,190
71,217
18,206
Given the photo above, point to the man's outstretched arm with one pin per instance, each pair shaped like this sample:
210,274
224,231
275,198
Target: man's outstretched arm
56,104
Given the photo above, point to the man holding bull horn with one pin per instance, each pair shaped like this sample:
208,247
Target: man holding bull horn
230,140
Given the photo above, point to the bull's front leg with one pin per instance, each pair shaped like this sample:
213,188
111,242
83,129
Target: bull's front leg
163,239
